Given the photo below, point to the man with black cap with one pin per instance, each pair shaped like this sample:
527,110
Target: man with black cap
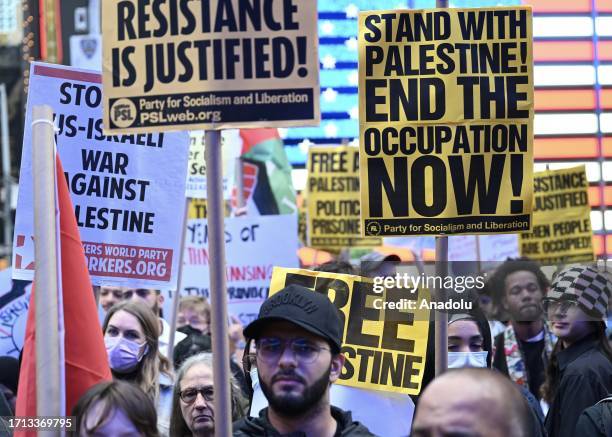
298,336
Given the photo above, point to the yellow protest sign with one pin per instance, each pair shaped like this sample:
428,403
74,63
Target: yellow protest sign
446,121
182,65
302,226
384,342
333,198
561,218
198,209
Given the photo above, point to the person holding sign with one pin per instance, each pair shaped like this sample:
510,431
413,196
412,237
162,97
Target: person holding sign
109,296
579,373
154,300
193,411
469,345
131,334
524,347
298,335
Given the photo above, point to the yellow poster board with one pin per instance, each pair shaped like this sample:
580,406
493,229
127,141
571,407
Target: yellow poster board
385,346
333,198
209,64
561,218
446,121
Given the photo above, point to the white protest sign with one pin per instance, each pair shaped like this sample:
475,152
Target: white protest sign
484,248
253,246
127,190
231,146
14,303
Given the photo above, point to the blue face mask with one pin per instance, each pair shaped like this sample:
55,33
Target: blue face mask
458,360
123,354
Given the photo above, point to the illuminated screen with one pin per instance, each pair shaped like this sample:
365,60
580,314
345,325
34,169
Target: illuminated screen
572,75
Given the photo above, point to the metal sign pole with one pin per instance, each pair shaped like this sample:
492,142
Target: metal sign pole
441,323
6,171
48,373
179,286
218,292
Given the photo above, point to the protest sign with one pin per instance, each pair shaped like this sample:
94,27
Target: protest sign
446,121
14,303
128,190
483,248
561,218
198,209
209,64
302,223
231,144
253,245
333,198
384,340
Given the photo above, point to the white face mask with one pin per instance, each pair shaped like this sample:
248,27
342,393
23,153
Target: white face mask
254,378
457,360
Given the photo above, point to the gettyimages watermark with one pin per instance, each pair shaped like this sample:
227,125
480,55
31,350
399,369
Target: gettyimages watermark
411,284
518,289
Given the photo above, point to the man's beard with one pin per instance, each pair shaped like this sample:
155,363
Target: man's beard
292,405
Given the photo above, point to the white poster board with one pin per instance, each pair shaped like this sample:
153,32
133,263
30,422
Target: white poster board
127,190
253,246
231,146
14,303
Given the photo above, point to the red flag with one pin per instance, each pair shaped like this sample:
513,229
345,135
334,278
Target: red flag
84,350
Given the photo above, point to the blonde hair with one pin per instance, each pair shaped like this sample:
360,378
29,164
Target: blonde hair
196,303
153,363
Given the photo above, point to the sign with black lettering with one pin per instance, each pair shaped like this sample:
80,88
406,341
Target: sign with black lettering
231,145
251,251
128,191
446,121
209,64
561,218
385,332
333,198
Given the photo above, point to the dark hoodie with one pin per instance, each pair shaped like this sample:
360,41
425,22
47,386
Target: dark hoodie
261,427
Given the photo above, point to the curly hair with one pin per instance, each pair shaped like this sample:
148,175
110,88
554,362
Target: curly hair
496,285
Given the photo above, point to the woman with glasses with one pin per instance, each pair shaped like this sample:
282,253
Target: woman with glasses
579,372
193,411
131,332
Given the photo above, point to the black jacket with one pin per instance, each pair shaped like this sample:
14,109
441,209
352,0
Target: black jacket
585,377
596,421
261,427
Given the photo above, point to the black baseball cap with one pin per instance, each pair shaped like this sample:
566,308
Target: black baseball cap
303,307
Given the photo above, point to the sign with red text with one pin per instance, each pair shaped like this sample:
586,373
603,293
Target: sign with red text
253,246
128,191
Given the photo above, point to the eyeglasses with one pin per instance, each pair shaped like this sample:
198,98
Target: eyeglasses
270,349
189,395
140,292
551,306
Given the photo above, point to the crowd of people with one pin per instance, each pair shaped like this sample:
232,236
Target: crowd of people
546,371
